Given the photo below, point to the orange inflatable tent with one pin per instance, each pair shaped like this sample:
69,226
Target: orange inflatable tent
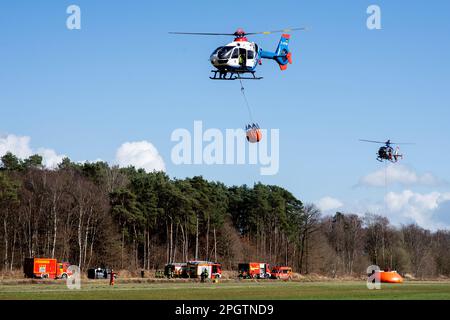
390,277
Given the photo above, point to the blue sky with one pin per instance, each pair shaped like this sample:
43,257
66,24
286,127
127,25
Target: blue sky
122,78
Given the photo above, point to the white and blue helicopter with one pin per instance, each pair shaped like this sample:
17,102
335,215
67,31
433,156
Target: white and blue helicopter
387,152
240,57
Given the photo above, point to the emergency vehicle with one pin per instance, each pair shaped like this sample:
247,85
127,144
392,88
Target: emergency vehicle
254,270
196,268
45,268
283,273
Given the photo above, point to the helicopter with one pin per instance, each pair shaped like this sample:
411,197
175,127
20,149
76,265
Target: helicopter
387,152
239,59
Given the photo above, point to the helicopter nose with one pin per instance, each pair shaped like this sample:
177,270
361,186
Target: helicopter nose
214,60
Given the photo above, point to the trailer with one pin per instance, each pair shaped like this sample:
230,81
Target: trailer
45,268
254,270
196,268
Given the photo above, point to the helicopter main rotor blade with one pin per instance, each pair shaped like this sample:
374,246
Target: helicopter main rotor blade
243,34
203,33
403,143
390,142
278,31
370,141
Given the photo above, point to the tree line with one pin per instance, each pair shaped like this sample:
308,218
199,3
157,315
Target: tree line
93,214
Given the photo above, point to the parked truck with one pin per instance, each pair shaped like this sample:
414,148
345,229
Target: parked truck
254,270
196,268
45,268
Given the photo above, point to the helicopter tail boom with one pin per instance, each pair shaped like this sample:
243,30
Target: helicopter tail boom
282,55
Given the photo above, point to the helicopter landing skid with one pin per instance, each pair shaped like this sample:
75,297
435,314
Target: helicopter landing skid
218,75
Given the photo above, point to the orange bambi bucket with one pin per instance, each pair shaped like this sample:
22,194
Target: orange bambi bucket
254,135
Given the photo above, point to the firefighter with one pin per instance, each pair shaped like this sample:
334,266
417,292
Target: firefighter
111,279
204,275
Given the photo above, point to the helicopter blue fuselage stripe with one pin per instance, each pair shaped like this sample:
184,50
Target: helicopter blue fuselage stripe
267,54
272,55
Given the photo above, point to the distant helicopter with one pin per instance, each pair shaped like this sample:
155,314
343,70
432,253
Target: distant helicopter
387,152
241,57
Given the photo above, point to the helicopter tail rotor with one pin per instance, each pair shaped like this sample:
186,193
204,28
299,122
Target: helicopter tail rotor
282,55
397,154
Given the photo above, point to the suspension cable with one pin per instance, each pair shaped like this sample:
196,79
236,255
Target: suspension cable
385,188
249,109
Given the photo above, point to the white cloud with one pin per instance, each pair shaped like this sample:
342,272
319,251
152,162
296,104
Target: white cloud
50,158
142,155
20,147
328,204
423,209
138,154
398,174
428,210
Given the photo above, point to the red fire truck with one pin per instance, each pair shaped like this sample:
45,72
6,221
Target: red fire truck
45,268
196,268
254,270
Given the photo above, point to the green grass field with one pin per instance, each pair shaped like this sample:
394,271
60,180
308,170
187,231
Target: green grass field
229,291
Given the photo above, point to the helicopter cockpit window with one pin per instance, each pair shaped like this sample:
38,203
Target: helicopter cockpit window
235,54
225,52
215,51
250,54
